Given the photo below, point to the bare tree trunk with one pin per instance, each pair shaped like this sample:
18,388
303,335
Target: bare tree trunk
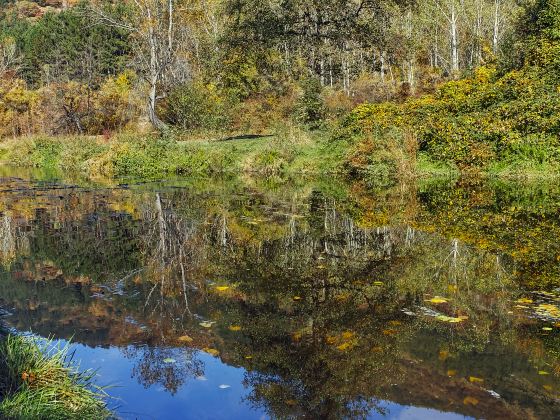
495,31
454,42
382,70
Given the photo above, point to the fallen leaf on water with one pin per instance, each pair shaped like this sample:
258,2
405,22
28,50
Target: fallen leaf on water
437,300
470,401
547,387
450,319
234,328
185,339
248,357
169,360
547,329
213,352
451,372
206,324
348,334
395,323
378,283
543,372
296,298
443,354
344,346
223,386
474,379
222,288
524,300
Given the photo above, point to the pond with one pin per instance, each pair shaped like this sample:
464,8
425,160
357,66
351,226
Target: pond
237,298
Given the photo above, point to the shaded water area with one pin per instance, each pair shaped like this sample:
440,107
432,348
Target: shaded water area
236,298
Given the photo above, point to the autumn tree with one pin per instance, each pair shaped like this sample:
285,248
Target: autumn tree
158,40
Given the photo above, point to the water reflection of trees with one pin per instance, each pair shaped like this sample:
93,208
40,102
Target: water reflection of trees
153,366
302,272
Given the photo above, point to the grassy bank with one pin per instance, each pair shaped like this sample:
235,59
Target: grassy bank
379,156
289,151
37,381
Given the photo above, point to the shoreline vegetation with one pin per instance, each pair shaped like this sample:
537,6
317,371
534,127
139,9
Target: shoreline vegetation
38,380
292,151
494,116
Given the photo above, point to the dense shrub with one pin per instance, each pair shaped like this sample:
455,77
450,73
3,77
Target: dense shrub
197,106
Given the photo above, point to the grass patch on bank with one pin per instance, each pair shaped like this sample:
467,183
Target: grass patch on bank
428,168
379,156
38,381
524,170
288,151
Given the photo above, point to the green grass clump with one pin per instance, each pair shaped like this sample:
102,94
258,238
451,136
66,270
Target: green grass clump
38,381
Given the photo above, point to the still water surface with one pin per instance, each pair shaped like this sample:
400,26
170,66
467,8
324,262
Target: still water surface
239,299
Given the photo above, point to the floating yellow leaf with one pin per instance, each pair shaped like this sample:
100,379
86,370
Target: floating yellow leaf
344,346
474,379
452,288
443,354
547,387
378,283
296,298
222,288
249,357
206,324
348,334
296,336
185,339
524,300
547,329
470,401
437,300
234,328
450,319
395,323
451,372
543,372
213,352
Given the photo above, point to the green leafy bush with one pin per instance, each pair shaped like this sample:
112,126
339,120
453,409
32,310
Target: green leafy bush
196,106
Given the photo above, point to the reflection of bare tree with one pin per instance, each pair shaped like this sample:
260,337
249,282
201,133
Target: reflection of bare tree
172,250
13,240
164,366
